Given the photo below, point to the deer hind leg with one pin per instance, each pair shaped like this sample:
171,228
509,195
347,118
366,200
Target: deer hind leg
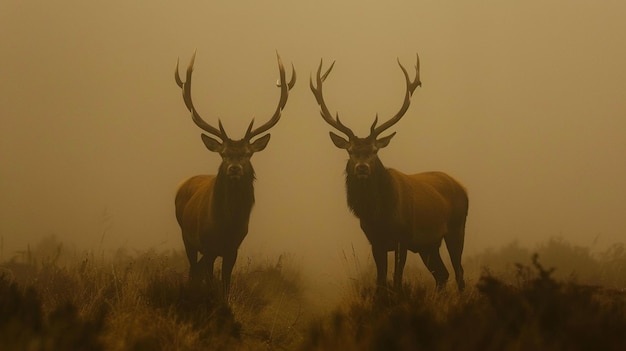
432,260
454,242
194,266
209,263
400,261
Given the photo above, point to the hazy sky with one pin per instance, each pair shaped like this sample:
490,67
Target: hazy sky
523,101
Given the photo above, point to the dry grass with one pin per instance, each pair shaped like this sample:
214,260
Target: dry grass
537,312
54,298
141,301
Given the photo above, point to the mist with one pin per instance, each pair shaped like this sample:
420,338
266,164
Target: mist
523,102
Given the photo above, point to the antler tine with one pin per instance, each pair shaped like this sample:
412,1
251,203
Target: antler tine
222,130
410,88
324,112
373,127
186,89
284,95
179,81
292,82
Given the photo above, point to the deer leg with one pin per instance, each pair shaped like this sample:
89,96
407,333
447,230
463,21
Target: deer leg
228,262
432,260
380,258
400,261
192,256
205,268
454,242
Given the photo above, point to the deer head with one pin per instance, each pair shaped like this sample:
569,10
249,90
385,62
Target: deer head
363,152
235,154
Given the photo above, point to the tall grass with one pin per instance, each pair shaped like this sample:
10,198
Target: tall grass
537,312
141,301
54,297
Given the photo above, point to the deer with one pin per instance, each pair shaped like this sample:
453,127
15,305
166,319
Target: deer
398,211
213,211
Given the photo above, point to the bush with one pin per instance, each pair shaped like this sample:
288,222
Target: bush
538,312
24,325
141,301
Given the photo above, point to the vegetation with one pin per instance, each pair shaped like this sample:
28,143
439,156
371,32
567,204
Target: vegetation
54,298
141,301
536,313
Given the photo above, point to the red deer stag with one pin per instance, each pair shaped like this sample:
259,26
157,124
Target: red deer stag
399,212
213,210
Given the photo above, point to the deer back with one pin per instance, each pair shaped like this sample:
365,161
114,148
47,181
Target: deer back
451,190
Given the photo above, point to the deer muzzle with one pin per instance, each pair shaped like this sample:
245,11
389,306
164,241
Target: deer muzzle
362,170
234,171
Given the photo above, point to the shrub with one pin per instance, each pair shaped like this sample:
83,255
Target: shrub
538,312
24,325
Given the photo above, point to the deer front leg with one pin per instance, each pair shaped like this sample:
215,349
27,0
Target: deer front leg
228,263
380,258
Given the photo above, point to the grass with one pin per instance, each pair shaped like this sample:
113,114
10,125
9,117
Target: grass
141,301
535,313
53,297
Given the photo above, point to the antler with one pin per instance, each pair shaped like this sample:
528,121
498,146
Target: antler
284,94
186,88
326,115
410,88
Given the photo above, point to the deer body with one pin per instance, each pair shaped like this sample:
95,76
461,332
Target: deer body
418,209
213,211
399,212
226,208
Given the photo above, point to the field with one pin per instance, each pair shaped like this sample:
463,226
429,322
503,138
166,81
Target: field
555,296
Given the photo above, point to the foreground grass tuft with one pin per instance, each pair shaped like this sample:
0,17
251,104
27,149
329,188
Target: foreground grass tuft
142,301
538,312
25,326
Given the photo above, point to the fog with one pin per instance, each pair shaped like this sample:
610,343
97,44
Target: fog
523,102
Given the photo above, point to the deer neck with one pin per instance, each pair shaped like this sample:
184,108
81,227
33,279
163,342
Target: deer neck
371,198
233,198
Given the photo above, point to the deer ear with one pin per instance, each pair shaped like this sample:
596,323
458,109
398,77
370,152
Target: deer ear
384,141
339,141
211,143
260,143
